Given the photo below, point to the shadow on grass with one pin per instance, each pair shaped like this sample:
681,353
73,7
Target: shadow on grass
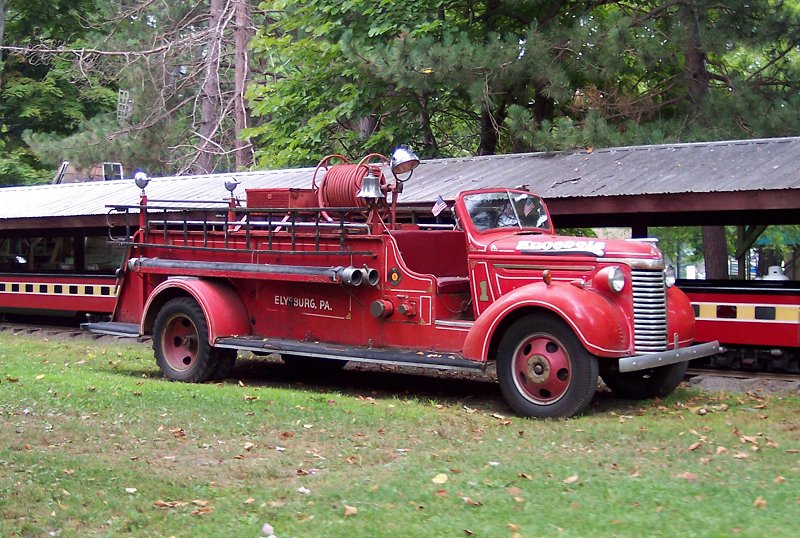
475,390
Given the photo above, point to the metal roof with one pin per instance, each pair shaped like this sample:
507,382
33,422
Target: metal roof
712,167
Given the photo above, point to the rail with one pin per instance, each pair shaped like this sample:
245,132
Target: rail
226,229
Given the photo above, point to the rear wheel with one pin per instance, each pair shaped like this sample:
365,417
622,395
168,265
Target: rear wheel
180,342
644,384
543,369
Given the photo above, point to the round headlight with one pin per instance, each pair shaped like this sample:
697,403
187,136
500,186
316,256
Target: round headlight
616,279
669,276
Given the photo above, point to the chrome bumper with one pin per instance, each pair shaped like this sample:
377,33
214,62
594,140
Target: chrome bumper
654,360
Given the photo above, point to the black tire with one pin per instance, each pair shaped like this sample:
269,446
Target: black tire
312,365
180,342
226,361
645,384
543,369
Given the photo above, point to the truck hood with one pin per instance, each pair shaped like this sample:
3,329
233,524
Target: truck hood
578,246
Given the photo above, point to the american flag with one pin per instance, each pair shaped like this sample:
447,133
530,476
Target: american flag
439,206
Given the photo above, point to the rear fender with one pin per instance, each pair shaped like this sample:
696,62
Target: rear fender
600,325
224,311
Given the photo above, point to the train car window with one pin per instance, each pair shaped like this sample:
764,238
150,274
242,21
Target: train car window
102,255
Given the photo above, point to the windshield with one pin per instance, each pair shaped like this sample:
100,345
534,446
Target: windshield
507,209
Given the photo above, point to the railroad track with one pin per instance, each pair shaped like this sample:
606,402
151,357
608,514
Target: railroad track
742,374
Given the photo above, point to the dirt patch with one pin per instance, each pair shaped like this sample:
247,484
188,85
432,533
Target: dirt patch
718,383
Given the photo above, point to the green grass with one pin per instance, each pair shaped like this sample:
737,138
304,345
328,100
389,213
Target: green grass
83,423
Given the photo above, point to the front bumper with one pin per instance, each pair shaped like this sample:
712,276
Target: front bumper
654,360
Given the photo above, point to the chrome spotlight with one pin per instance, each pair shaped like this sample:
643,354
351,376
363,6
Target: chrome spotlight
403,161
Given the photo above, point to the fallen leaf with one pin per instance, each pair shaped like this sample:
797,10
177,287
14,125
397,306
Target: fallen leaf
759,502
689,476
741,456
513,528
304,490
440,478
131,490
695,446
169,504
202,511
571,479
513,490
199,502
471,502
350,510
178,432
721,450
526,476
779,479
248,446
40,376
250,500
441,492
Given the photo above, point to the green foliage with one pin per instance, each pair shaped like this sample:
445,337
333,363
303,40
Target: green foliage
460,77
40,94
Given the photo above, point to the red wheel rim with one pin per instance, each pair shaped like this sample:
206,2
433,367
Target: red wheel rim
542,369
180,342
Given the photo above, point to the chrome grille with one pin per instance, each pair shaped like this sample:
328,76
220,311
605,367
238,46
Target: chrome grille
649,311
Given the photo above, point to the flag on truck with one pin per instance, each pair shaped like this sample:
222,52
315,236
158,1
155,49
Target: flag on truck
439,206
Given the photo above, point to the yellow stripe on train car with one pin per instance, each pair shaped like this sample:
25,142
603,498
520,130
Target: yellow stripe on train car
46,288
747,312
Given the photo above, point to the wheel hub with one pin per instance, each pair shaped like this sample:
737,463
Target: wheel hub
537,368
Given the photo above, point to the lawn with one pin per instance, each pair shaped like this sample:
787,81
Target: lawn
94,442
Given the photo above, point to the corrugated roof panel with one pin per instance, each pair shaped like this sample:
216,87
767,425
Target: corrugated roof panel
671,168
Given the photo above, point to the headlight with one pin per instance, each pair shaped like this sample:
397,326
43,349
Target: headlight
616,279
669,276
611,279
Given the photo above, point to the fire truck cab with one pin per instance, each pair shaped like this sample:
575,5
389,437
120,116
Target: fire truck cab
331,274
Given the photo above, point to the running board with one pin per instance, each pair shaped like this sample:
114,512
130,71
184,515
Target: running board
398,357
113,328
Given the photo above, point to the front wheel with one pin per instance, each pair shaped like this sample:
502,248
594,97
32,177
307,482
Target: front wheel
180,342
644,384
543,369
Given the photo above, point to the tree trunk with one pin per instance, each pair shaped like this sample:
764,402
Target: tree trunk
490,129
429,146
696,70
715,251
210,94
2,35
241,115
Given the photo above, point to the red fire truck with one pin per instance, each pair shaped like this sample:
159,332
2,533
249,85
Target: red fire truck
330,274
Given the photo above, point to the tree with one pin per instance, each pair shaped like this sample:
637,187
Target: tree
180,67
490,76
40,93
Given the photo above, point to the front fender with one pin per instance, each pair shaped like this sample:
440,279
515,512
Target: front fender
224,311
600,325
680,317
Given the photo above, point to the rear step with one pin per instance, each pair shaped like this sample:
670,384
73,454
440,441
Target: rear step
113,328
399,357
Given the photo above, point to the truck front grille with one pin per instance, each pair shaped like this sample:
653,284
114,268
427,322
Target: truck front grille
649,311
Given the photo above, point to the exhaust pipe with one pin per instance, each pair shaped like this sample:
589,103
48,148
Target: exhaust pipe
372,276
352,276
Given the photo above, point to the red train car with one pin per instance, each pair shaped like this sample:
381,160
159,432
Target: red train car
756,321
47,273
